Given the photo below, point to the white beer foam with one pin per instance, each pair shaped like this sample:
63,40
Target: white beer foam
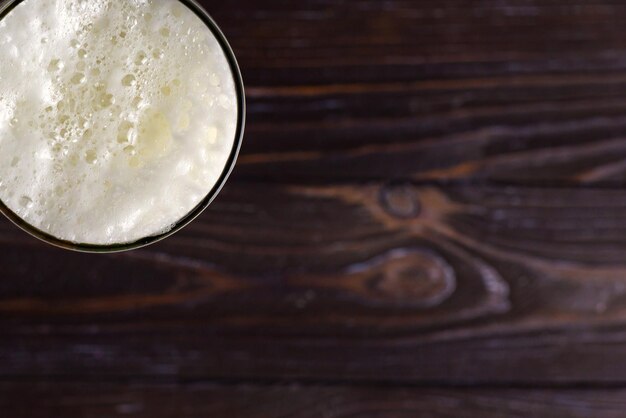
117,117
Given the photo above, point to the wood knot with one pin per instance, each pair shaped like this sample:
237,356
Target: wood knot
413,278
417,278
400,200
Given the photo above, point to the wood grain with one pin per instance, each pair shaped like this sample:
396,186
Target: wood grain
513,91
382,283
427,219
293,401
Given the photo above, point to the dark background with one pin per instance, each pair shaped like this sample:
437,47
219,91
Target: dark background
428,219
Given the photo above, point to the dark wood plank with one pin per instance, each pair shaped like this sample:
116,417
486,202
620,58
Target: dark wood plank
386,282
479,272
515,91
108,400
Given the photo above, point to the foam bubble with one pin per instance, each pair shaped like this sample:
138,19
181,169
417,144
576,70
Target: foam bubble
128,126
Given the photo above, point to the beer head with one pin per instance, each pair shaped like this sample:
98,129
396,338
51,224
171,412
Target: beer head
118,119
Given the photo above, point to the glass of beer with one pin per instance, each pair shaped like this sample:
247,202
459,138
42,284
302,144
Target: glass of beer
120,120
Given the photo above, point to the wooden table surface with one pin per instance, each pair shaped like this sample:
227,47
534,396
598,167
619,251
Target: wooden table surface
428,219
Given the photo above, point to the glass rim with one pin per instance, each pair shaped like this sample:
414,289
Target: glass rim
194,6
